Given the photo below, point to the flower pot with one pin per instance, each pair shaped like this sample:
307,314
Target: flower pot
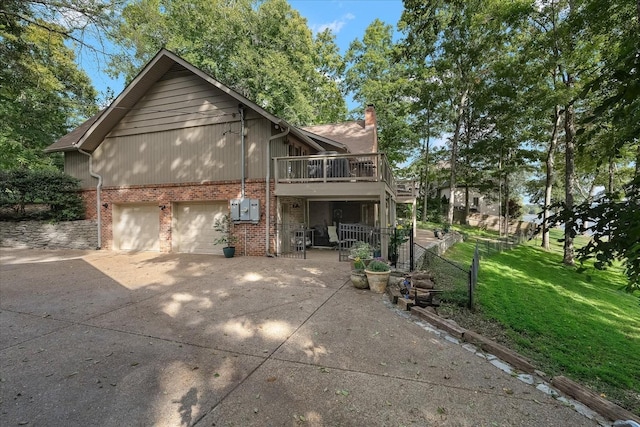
229,251
378,280
359,279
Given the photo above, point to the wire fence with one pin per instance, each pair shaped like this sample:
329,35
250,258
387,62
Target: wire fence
457,280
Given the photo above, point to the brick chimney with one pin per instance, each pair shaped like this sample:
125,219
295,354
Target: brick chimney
370,116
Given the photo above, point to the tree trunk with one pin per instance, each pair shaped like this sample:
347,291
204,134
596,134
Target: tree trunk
570,133
454,152
466,204
550,164
506,205
426,165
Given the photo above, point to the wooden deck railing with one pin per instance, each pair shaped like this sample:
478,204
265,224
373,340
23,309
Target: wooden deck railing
334,168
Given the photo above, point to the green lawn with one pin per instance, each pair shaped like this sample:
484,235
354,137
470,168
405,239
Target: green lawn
575,324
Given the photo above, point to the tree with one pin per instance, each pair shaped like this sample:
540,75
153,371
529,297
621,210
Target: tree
330,66
376,76
262,49
42,92
612,221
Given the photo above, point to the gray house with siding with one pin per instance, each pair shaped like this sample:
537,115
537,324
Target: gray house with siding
178,149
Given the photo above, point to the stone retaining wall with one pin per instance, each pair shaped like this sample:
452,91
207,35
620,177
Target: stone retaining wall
39,234
449,240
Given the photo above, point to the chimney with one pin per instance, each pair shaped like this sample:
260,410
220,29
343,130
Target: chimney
370,116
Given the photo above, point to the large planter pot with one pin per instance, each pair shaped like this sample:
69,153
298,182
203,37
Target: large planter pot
378,280
229,251
359,279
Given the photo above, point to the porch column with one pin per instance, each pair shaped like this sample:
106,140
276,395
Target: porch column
383,214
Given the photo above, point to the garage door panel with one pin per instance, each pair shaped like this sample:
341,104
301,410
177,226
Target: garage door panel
136,228
193,227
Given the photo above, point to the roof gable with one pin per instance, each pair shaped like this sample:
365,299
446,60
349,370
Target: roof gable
89,135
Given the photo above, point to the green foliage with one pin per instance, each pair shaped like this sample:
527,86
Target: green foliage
358,265
361,250
613,222
374,76
58,192
222,225
378,266
42,92
570,323
262,49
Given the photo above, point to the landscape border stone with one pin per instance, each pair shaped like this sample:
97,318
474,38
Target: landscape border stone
592,400
577,391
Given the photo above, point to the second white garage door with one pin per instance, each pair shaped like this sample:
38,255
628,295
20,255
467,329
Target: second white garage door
193,227
136,227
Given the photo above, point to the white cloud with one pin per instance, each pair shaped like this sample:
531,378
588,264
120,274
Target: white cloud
334,26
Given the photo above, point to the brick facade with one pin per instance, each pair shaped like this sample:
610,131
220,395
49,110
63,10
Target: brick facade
251,237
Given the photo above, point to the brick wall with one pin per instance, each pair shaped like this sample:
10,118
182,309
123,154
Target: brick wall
39,234
251,237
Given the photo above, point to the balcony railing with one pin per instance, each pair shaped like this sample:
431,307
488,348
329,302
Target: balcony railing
334,168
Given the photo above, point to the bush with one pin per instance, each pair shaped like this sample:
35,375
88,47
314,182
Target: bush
378,266
55,194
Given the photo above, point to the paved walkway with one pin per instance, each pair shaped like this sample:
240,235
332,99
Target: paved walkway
98,338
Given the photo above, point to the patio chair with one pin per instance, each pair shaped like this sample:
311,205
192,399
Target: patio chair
334,241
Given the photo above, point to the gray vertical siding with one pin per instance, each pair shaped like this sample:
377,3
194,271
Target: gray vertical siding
183,130
77,165
195,154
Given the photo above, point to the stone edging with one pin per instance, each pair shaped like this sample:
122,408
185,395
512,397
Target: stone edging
576,391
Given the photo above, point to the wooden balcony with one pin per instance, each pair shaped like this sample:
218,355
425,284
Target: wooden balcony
348,175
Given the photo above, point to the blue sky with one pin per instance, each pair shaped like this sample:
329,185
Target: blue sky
348,20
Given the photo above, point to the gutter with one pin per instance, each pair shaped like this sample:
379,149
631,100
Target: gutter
268,190
242,149
98,193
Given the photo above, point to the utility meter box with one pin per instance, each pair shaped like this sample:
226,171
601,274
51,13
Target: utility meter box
245,210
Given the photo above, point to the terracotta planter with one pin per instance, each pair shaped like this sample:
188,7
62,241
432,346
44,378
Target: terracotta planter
359,280
378,280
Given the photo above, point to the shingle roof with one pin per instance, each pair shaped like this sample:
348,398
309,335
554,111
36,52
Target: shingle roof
358,138
67,142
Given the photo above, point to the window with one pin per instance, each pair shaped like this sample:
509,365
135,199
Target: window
476,201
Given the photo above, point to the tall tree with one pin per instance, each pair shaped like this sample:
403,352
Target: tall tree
42,92
263,49
375,76
330,66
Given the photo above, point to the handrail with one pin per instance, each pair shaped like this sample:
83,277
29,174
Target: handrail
371,167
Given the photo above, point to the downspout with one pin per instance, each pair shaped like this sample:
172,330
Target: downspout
268,186
243,161
98,193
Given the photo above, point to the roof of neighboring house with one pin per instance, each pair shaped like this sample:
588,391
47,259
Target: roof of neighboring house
89,135
358,138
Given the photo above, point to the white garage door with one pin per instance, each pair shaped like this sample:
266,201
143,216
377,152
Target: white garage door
193,227
136,227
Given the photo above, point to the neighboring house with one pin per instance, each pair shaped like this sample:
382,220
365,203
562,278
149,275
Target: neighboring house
478,202
177,148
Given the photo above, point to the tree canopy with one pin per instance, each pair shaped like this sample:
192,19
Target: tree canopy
43,93
262,49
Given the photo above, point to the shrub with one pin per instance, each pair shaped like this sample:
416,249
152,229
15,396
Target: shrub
361,250
57,193
378,266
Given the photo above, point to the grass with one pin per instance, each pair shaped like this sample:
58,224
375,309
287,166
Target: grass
574,324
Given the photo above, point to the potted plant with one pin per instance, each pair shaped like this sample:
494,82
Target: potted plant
223,226
378,273
358,277
361,250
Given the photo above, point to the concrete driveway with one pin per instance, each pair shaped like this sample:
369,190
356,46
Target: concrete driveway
100,338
